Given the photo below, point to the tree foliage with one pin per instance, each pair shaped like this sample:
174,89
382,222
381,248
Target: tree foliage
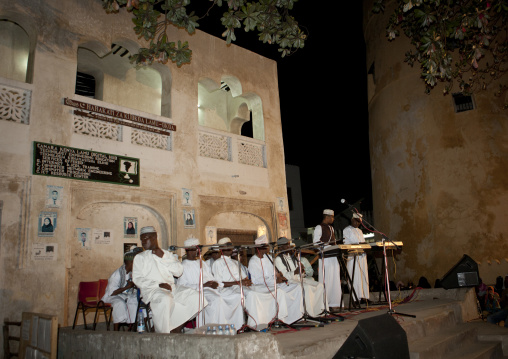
454,41
152,18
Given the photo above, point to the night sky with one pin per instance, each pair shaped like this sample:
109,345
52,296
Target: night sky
323,97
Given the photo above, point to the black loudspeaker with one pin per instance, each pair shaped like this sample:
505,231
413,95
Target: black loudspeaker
379,337
462,274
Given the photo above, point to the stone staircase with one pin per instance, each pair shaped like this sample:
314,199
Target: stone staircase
442,334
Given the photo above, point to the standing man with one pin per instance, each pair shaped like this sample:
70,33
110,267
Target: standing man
121,292
354,235
153,273
325,233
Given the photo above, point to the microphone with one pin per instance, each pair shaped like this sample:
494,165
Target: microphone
343,200
172,248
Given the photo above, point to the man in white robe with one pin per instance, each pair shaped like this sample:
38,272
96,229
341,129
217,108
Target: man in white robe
262,273
354,235
325,233
224,305
153,273
288,265
259,303
214,254
121,292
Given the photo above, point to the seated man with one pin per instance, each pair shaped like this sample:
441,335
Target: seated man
121,292
226,307
502,314
153,273
214,255
259,303
217,310
262,273
288,265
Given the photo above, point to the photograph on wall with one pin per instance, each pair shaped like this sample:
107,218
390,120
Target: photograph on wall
130,227
47,224
211,235
84,237
283,220
189,218
186,197
54,196
102,236
280,204
44,251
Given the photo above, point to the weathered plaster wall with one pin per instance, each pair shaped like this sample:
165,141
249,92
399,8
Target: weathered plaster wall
439,183
220,188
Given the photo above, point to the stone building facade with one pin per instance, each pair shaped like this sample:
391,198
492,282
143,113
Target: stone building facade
439,178
89,144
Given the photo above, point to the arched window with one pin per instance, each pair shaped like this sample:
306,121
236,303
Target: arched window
117,81
14,51
224,107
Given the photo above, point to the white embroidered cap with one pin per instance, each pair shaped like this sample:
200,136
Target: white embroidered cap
261,240
328,212
147,229
191,242
224,240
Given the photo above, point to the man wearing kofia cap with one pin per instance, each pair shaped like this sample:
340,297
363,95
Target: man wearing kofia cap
325,233
153,273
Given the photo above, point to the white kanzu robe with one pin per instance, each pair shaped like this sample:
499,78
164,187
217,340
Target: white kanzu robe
262,274
314,303
259,303
224,306
124,304
332,274
170,308
354,235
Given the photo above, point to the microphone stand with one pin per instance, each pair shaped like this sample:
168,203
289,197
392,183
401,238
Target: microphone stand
306,320
391,311
245,327
325,314
276,322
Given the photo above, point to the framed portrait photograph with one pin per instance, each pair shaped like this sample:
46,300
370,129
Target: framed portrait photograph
189,218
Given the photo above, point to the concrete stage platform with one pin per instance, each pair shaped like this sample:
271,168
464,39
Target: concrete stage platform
446,325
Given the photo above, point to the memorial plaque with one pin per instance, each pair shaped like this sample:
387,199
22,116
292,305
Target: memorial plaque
74,163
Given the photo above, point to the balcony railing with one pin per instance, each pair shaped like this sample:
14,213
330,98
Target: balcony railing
230,147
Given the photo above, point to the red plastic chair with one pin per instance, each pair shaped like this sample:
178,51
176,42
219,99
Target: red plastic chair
89,299
105,307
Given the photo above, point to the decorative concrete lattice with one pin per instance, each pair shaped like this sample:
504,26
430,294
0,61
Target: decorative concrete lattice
96,128
215,146
15,104
151,139
251,154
